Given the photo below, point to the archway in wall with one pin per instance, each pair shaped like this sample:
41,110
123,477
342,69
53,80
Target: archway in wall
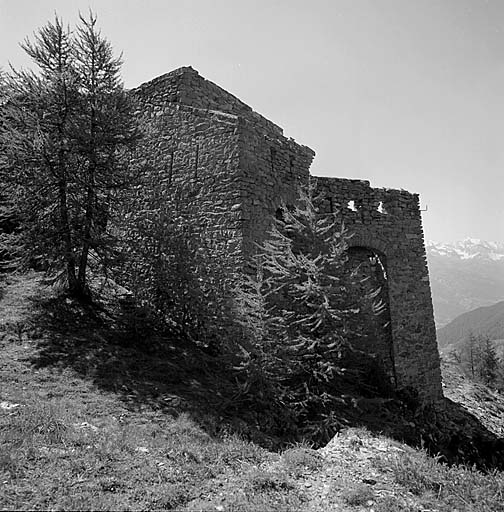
372,322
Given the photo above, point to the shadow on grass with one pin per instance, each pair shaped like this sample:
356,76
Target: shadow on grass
145,369
172,375
462,438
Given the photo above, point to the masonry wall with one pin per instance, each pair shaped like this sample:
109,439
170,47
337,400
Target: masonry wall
389,221
192,157
186,86
267,166
273,169
230,169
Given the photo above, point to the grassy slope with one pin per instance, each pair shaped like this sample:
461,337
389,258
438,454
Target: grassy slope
90,424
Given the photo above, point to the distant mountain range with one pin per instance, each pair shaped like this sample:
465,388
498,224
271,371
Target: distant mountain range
487,321
464,276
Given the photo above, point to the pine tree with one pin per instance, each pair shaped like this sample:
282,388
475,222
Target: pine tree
61,133
295,309
489,361
34,140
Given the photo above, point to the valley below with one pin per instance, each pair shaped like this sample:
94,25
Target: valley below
464,276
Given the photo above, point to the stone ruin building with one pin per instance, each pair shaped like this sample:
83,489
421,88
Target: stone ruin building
235,167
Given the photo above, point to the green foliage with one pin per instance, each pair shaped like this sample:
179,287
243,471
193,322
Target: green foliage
62,130
295,309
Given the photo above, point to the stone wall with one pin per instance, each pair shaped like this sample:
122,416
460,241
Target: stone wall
192,156
273,168
236,167
230,169
186,86
389,221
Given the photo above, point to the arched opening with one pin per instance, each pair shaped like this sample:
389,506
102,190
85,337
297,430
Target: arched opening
368,269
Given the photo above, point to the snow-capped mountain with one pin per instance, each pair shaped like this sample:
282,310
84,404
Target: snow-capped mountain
468,249
464,276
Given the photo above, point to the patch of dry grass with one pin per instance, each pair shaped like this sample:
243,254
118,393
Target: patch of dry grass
299,459
51,459
446,488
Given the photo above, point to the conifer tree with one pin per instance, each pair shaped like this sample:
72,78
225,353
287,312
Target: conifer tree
478,356
35,121
103,124
295,310
489,361
470,355
61,130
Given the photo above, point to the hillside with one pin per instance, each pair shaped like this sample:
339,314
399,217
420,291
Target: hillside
488,321
92,420
464,276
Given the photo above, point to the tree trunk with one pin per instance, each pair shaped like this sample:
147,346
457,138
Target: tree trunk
66,234
88,225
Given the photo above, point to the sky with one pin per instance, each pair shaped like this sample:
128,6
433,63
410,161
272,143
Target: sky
407,94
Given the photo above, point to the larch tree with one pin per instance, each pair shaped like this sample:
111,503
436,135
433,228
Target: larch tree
103,125
296,309
34,129
62,129
489,363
